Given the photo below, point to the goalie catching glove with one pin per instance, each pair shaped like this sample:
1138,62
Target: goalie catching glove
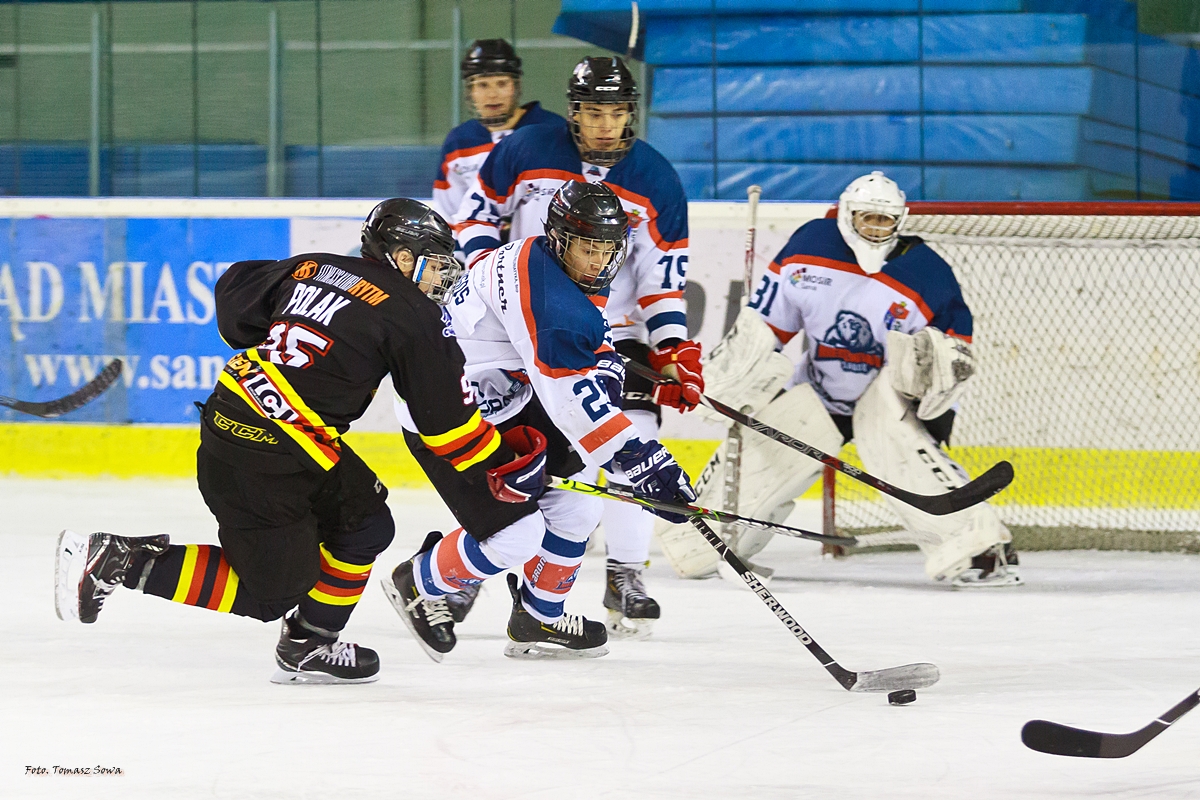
523,478
682,362
930,366
654,473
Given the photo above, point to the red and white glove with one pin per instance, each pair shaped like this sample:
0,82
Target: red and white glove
682,362
523,478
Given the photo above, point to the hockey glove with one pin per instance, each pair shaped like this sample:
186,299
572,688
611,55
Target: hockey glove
654,473
523,478
610,369
680,361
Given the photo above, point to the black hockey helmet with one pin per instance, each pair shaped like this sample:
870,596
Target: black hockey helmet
588,232
490,57
401,222
487,57
606,80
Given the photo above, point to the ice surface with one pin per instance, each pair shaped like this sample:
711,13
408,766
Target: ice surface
720,703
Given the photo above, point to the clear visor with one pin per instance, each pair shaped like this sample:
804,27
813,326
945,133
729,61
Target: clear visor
875,226
435,275
592,263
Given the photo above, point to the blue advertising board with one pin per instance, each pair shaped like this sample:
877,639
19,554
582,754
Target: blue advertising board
77,292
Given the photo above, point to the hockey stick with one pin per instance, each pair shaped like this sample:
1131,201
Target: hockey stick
77,399
970,494
1063,740
910,676
627,496
732,488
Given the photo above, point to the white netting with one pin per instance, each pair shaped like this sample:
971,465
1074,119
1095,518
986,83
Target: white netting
1088,344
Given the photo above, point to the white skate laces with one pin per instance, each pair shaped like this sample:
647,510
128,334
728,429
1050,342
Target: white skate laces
570,624
437,612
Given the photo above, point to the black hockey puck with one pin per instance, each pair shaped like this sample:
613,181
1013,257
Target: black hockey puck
902,697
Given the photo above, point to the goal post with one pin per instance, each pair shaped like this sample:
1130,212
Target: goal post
1087,338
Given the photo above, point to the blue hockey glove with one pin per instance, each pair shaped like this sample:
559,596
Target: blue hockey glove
523,478
610,370
653,472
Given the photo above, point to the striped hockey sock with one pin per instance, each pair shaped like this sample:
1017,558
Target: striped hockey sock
549,575
198,575
329,604
454,563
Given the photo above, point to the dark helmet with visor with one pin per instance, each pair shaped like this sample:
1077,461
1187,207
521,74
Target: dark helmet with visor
589,233
602,80
401,222
492,57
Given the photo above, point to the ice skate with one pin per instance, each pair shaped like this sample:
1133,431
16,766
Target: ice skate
631,612
86,571
460,603
572,636
996,566
309,655
429,621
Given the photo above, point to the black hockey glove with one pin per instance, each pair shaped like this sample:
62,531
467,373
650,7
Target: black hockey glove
610,371
654,473
523,478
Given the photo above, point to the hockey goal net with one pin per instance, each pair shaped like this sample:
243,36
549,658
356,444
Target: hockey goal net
1087,335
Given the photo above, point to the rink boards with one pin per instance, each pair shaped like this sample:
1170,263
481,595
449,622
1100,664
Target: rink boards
82,281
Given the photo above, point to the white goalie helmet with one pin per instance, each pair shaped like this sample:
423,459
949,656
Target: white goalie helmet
870,213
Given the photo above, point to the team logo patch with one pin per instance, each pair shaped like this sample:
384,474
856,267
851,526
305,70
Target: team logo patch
306,269
635,219
895,315
850,341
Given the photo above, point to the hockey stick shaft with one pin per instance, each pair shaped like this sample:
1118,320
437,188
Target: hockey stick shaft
986,485
627,496
731,488
912,676
1063,740
77,399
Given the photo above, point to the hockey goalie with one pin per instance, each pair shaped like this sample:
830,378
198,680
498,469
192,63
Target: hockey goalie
886,355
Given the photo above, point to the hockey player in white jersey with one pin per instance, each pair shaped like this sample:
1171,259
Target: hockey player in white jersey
886,354
646,307
491,74
538,358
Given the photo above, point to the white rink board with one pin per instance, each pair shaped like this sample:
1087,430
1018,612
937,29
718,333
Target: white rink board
721,703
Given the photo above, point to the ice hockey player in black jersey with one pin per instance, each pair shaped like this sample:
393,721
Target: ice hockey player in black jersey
301,517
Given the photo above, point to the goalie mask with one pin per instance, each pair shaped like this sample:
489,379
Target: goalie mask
602,109
589,233
870,213
411,237
491,71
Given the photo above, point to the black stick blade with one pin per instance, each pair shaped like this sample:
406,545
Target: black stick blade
1061,740
986,486
77,399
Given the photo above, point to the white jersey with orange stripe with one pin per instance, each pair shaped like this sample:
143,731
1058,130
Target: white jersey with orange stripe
526,329
816,285
465,149
519,179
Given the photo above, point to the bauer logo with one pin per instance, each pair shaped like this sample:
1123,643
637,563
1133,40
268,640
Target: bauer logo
305,270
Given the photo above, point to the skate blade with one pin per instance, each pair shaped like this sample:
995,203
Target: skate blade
531,651
622,627
990,582
288,678
393,596
70,559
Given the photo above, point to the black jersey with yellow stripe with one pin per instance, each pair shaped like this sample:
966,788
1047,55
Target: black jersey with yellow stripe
318,332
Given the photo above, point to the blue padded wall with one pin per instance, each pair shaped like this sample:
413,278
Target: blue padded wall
967,100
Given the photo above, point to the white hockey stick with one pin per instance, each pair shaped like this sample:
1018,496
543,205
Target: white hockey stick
731,490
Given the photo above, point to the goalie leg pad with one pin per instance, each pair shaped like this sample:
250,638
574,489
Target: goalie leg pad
895,447
772,475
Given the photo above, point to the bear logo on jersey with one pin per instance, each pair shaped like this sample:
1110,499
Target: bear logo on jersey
851,341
